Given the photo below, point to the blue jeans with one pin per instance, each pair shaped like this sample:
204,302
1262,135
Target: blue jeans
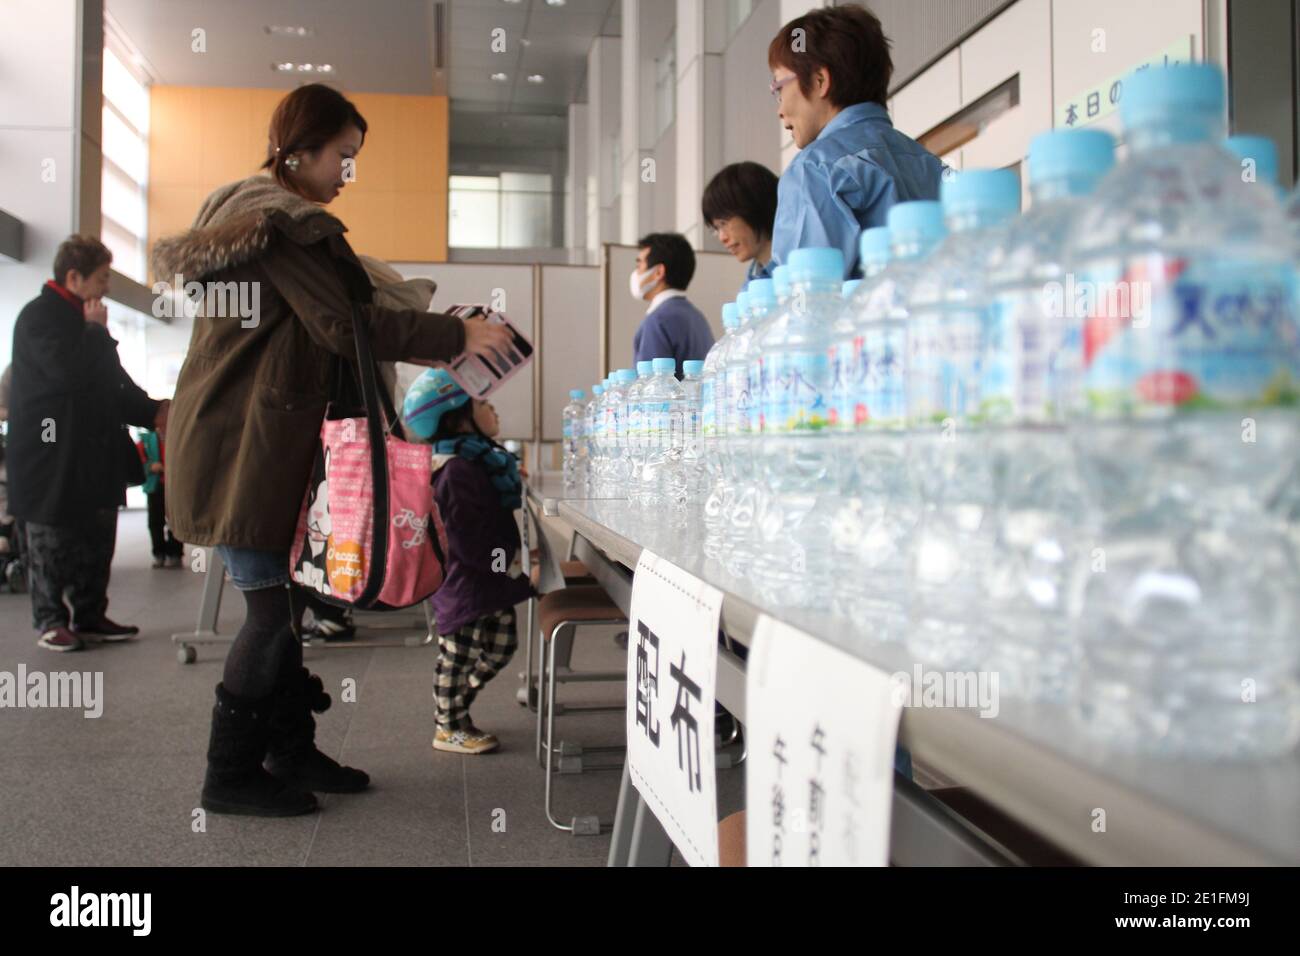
252,569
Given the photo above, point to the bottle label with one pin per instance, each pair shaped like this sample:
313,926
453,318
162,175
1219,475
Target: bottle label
1021,345
944,366
657,424
1168,333
884,397
636,420
568,430
848,369
753,389
708,414
738,400
797,386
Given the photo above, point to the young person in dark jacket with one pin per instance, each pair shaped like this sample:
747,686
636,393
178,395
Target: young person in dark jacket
477,488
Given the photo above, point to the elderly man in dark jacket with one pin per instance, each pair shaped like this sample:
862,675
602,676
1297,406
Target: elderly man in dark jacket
67,461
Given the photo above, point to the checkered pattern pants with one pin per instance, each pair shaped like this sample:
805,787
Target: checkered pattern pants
468,659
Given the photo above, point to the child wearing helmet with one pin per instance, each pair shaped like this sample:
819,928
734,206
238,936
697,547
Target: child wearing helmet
477,487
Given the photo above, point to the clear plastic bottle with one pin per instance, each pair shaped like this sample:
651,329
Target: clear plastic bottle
732,375
713,398
1039,521
636,434
952,543
744,425
665,438
793,560
872,541
1186,426
616,470
847,374
591,434
693,475
1257,160
574,458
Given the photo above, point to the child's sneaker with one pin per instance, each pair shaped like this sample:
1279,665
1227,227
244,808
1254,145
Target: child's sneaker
469,741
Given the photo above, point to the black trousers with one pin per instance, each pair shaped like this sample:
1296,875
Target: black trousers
164,545
72,559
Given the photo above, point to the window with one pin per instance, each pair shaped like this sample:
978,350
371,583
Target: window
124,202
666,85
506,211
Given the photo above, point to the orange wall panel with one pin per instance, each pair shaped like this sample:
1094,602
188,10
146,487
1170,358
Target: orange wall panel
203,137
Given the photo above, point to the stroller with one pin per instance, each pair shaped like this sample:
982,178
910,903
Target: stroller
13,564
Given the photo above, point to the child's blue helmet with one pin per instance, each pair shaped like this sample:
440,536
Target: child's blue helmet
432,395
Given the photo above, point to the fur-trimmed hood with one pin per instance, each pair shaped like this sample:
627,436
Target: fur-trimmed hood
235,225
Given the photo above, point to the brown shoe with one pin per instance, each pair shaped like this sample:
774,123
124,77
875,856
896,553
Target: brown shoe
106,631
60,639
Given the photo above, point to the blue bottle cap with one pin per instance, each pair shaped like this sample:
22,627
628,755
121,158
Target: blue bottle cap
761,292
873,246
730,315
742,304
598,389
692,367
1182,91
642,369
816,263
981,190
849,285
576,393
781,281
665,365
918,221
1070,152
626,375
1259,148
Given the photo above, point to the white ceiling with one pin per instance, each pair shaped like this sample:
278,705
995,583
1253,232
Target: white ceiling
386,46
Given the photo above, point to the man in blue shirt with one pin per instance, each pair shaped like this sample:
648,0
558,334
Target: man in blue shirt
830,76
665,265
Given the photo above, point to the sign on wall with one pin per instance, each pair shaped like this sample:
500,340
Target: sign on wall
1102,99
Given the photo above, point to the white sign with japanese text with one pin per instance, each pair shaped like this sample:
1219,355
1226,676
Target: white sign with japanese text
822,729
672,656
1090,105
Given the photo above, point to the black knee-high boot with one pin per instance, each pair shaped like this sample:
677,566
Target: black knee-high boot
292,756
236,781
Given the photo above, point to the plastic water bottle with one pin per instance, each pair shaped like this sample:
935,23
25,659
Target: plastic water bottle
847,372
794,561
574,458
871,541
616,468
1039,520
665,414
1186,428
591,436
1257,158
743,426
952,543
693,473
713,401
637,431
733,378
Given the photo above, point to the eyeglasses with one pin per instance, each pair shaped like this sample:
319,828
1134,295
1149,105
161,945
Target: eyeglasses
776,86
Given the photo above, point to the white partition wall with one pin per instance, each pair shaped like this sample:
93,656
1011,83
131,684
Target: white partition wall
569,346
718,277
511,287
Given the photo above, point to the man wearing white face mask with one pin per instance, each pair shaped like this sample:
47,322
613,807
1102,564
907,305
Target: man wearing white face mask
672,326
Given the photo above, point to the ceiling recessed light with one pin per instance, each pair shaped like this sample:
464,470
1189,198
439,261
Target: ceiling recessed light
325,68
282,67
499,77
555,3
286,31
536,78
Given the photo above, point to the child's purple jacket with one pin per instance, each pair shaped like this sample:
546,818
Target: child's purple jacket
477,526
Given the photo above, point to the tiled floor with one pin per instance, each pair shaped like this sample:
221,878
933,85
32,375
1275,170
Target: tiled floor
123,789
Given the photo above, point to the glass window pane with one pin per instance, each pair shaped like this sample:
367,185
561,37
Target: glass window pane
525,220
473,218
124,91
125,147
